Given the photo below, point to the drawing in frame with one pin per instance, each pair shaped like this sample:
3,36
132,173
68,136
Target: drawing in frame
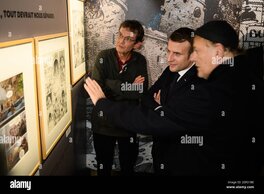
19,123
76,39
54,88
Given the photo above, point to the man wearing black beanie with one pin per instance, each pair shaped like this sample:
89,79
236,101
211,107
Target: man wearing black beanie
235,96
215,42
219,111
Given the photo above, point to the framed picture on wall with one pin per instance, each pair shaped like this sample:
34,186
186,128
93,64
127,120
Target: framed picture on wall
76,38
54,88
19,124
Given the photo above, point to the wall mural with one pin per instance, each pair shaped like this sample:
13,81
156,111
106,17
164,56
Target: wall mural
177,14
251,24
102,19
160,18
228,10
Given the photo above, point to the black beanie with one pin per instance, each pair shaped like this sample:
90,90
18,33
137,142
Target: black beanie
219,32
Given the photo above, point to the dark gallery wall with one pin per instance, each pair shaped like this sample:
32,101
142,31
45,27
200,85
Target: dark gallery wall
160,18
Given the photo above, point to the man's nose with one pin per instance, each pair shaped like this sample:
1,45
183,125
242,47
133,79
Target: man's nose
170,57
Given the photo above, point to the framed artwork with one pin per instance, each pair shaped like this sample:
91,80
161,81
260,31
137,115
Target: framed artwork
54,88
76,38
19,124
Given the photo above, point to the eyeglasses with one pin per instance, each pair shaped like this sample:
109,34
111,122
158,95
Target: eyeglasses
126,39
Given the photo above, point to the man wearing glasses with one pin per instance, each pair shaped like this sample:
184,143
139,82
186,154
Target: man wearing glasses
122,74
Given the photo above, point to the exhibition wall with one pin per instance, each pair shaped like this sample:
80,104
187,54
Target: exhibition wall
160,18
46,46
42,58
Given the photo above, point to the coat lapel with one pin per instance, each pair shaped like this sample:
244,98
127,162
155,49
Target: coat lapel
182,82
186,78
165,88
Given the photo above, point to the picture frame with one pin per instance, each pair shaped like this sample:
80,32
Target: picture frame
54,88
76,39
19,122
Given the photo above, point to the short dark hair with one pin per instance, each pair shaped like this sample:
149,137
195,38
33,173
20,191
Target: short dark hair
135,27
183,34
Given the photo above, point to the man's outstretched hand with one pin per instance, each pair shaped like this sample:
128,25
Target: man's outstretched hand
94,90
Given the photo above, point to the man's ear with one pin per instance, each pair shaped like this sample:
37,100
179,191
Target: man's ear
220,49
138,45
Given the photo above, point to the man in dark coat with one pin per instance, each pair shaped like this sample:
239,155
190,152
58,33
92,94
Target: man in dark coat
212,124
173,90
236,95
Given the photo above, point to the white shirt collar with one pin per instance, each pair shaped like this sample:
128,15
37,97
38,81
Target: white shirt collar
182,72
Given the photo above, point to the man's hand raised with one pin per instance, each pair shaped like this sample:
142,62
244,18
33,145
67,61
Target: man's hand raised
94,90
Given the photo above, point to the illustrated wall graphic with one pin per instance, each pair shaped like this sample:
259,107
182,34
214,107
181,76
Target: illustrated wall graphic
176,14
223,10
146,11
102,19
251,32
160,18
